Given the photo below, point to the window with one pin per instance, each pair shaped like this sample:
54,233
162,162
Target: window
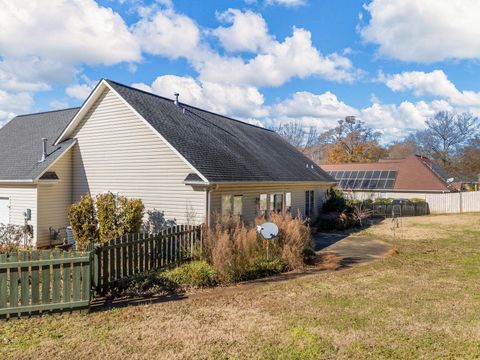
232,205
288,202
262,204
309,203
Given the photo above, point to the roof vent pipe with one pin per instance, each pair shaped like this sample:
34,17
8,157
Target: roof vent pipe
44,149
176,99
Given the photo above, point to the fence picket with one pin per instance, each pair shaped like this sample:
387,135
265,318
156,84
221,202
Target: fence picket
104,268
112,260
45,255
66,280
13,282
3,282
24,281
86,278
118,242
76,281
56,278
35,280
141,252
130,254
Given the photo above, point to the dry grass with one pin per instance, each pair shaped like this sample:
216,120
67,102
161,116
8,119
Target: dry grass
422,303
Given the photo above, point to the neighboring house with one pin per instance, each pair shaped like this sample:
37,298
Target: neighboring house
413,177
185,163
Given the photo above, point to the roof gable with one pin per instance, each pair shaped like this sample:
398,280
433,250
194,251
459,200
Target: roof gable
20,144
220,148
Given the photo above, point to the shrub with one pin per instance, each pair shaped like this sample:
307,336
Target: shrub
107,216
382,201
335,221
417,201
131,215
230,247
192,274
15,237
263,267
83,220
145,284
335,201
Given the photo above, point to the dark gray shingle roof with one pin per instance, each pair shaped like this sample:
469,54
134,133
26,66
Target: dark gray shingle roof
21,145
220,148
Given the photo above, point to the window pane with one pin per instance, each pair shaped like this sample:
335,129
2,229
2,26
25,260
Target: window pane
368,174
364,184
227,204
373,184
278,202
383,174
263,202
288,201
237,205
340,175
376,175
271,203
361,174
347,174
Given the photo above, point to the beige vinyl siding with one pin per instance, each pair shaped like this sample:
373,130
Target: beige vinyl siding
251,192
21,198
54,198
117,151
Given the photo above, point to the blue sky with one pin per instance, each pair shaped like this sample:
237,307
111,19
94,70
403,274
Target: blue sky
391,63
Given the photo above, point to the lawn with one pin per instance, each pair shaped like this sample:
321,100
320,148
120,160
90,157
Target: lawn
422,303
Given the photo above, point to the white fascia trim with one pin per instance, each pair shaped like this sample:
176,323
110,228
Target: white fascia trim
55,161
158,134
29,181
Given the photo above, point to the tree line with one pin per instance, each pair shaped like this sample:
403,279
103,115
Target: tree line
449,139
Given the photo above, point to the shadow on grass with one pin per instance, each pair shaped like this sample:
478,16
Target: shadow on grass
107,303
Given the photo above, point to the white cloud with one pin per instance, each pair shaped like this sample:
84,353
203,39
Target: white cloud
231,100
12,104
289,3
304,105
435,83
424,31
248,31
162,31
71,31
59,104
81,91
324,110
277,63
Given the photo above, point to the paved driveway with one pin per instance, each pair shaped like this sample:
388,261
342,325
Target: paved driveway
353,249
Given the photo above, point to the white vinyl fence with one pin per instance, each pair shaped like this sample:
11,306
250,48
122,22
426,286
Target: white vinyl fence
454,202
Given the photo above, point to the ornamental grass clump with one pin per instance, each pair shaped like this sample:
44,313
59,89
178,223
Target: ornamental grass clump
237,252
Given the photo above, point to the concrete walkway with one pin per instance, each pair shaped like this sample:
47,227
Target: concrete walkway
352,249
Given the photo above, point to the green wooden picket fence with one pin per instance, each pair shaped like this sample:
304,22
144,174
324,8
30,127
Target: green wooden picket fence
38,281
137,253
35,282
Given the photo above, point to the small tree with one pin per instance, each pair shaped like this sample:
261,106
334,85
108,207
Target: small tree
107,215
83,221
130,215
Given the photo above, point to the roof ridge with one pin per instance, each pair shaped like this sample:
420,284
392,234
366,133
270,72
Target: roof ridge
187,105
49,111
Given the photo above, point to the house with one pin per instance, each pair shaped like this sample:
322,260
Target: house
185,163
413,177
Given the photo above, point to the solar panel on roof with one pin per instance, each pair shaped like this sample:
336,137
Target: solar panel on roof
365,179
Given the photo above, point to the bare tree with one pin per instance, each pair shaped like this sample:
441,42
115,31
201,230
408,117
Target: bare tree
446,133
297,135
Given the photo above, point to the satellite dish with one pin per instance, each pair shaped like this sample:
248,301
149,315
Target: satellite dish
268,230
